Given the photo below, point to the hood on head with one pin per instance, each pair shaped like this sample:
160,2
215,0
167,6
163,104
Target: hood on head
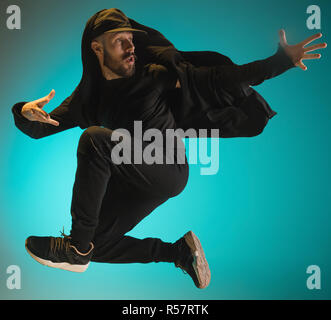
86,93
151,46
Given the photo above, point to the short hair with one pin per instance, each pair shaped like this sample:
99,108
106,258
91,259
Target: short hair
100,38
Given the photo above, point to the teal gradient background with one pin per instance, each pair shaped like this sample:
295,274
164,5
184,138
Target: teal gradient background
262,219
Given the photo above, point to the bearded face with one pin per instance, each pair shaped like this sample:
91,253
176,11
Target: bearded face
118,54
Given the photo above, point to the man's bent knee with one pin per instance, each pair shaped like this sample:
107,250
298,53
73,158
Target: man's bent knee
94,140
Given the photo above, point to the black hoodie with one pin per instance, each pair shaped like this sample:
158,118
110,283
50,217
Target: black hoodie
214,93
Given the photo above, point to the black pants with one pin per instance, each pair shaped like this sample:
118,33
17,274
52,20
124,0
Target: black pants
110,199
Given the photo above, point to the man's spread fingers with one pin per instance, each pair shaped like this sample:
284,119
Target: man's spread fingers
41,112
42,101
51,94
44,113
53,122
282,36
302,66
40,117
315,46
311,38
312,56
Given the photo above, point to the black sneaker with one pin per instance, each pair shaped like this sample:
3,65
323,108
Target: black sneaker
191,259
58,253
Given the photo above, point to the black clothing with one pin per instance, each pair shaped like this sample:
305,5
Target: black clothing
205,85
110,199
121,101
195,105
215,92
141,97
221,96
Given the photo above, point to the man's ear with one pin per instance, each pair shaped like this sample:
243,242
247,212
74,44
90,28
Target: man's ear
97,47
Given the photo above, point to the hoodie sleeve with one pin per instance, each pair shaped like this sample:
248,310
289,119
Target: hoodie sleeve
157,47
37,129
219,96
256,72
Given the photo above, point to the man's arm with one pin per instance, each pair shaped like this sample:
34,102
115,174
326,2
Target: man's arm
256,72
286,57
46,123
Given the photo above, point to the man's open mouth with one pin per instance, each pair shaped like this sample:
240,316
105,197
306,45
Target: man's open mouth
130,59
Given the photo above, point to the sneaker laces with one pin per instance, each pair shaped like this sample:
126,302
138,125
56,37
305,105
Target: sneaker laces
60,243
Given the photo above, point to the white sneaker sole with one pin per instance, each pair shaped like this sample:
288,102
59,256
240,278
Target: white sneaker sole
60,265
200,263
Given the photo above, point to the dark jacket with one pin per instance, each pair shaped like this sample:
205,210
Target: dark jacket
214,93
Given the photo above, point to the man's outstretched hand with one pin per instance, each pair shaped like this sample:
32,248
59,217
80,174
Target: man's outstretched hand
33,110
297,52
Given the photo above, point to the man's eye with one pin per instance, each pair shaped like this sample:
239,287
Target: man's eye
131,40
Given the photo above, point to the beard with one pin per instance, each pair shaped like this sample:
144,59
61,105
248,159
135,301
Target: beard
121,68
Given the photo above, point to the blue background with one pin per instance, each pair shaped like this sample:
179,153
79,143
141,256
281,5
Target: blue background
262,219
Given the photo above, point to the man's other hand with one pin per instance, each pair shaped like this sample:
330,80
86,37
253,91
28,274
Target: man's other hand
33,110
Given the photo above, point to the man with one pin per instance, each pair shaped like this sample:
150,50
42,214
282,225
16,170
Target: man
161,89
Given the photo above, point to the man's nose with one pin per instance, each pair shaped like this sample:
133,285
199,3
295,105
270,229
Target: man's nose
129,46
